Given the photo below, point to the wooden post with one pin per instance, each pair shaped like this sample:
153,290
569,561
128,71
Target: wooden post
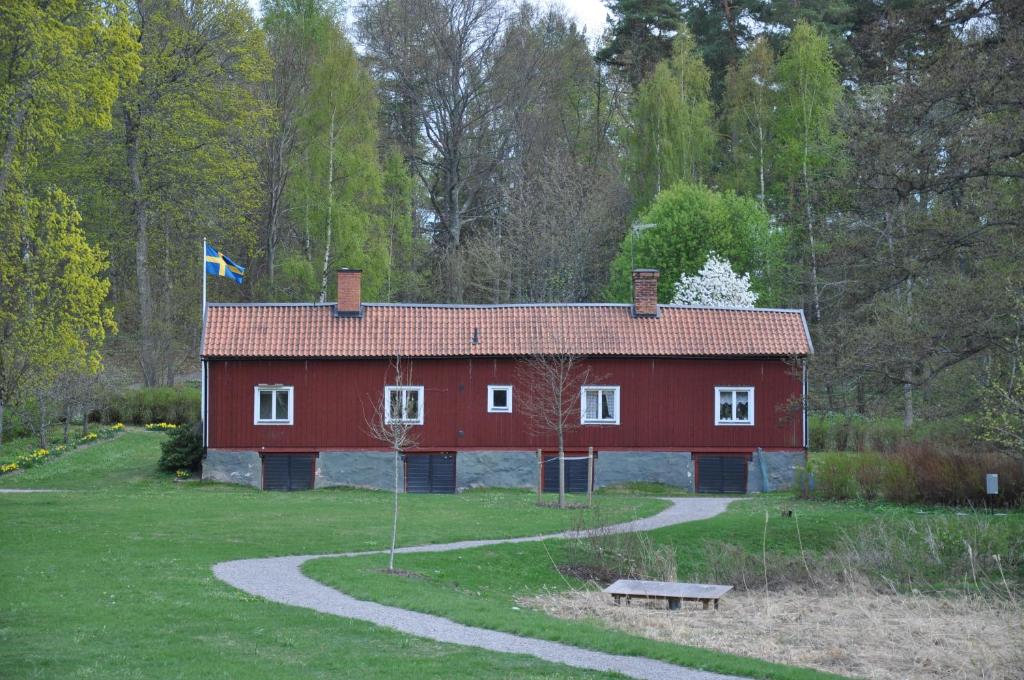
540,477
590,476
561,477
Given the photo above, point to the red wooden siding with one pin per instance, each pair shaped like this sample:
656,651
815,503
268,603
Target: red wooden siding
665,404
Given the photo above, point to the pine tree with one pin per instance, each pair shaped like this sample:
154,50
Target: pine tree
641,35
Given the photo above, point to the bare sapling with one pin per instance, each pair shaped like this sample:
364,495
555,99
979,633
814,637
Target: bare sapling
551,400
392,422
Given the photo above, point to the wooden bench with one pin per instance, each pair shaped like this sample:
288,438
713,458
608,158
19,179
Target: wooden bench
673,593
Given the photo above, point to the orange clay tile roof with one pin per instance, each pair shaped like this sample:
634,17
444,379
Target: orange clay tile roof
314,330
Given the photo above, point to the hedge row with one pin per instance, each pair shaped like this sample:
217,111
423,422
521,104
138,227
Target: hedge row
177,405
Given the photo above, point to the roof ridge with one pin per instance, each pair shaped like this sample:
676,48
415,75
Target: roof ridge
509,305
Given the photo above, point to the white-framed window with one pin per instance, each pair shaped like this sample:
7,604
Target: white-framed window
599,404
734,406
499,399
273,405
403,404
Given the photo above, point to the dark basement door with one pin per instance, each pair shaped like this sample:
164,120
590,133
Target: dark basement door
721,474
288,471
430,473
575,474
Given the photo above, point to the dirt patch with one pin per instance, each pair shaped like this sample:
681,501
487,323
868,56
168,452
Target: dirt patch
858,633
401,572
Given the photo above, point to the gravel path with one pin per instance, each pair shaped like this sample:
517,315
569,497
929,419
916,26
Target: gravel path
280,579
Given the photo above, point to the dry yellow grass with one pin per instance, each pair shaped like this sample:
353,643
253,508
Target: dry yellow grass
858,633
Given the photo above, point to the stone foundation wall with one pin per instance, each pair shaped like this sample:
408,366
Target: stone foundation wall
233,467
667,467
779,467
365,469
509,469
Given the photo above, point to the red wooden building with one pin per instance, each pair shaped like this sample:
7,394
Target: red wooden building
705,399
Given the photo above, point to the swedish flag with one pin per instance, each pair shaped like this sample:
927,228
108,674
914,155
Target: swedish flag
219,264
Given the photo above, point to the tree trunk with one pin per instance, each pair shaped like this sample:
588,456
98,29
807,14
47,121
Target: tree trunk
330,209
9,145
394,515
908,400
67,421
1,421
42,420
815,292
561,476
145,290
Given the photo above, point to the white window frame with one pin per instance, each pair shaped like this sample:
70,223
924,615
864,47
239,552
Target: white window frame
273,388
750,405
583,405
491,408
388,389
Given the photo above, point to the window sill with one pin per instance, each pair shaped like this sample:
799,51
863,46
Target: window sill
273,422
728,424
600,422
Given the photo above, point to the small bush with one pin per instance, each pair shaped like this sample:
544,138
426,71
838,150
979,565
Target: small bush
176,405
183,449
604,557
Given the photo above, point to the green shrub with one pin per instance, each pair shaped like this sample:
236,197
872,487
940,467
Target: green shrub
176,405
183,449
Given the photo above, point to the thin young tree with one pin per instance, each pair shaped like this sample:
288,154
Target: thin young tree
551,399
391,424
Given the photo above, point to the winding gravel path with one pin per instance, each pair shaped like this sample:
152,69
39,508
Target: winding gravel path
280,579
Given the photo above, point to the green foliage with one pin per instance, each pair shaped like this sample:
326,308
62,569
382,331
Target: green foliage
1002,416
692,221
749,116
53,315
145,405
673,135
337,192
63,63
913,473
183,449
806,137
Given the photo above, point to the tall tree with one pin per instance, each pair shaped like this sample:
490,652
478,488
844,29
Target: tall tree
437,57
807,140
189,168
53,313
294,29
672,134
63,63
337,188
924,260
640,35
749,112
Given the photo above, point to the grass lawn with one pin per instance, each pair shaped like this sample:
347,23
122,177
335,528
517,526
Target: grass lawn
112,578
479,587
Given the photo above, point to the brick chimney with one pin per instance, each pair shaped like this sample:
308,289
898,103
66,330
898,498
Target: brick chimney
645,292
350,296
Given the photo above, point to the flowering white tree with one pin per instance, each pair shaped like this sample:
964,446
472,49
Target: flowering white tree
715,285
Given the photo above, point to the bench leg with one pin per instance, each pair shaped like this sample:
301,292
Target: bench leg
706,603
673,603
716,605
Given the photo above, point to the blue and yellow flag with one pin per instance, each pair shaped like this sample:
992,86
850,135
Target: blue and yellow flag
219,264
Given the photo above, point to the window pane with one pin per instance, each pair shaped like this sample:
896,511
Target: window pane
281,403
394,404
591,405
742,398
499,399
266,405
725,405
412,405
607,405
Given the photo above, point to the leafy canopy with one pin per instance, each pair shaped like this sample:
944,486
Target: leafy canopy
693,221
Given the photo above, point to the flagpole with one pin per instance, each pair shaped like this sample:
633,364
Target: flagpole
202,364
